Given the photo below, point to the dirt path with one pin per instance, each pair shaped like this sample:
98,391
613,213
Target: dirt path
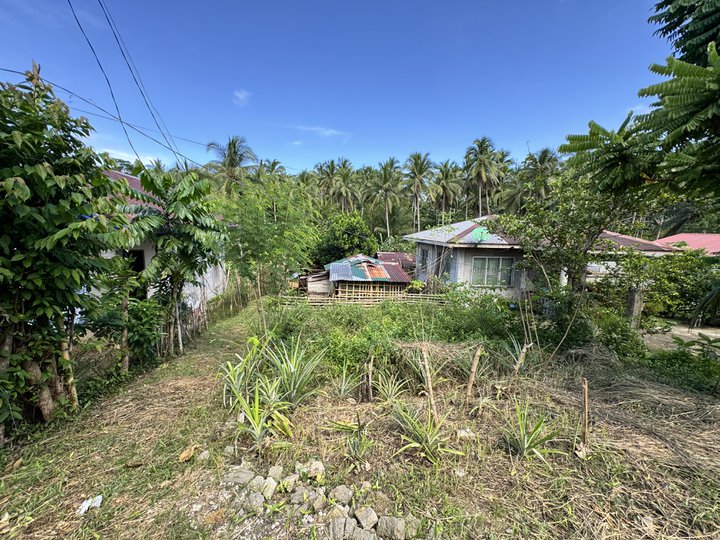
125,448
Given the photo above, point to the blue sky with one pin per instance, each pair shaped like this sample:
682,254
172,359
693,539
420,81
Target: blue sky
308,81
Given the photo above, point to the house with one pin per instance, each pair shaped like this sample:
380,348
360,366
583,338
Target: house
210,284
707,241
357,277
467,252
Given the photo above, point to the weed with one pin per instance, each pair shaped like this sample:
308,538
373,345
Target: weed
424,437
295,367
390,387
525,439
346,383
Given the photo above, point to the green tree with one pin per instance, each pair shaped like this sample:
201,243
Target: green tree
231,165
386,188
418,173
178,218
344,235
690,25
483,168
447,186
58,212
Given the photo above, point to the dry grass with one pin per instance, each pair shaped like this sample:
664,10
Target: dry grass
652,471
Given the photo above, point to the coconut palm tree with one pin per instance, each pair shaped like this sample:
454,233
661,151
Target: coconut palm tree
418,173
483,168
232,162
344,190
326,172
447,185
386,188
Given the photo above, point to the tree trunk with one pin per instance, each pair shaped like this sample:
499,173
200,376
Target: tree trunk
387,219
480,199
6,349
70,388
177,321
635,306
124,350
45,401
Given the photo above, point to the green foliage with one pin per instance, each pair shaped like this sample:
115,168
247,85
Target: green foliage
685,368
423,436
58,212
390,387
690,25
272,233
358,443
345,235
295,367
347,382
525,439
614,331
396,243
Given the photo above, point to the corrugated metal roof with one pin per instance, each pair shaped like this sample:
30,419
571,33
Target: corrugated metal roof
135,185
472,232
707,241
406,260
363,268
635,243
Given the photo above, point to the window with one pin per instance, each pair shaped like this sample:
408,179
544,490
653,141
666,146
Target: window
422,263
492,271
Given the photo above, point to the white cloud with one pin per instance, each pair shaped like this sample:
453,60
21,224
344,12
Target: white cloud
324,132
241,97
296,143
129,156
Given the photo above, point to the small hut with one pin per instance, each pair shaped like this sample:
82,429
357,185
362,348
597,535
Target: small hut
360,276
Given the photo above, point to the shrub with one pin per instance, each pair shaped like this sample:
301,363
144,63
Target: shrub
682,367
614,331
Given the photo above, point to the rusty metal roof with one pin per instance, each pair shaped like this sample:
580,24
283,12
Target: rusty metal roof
363,268
406,260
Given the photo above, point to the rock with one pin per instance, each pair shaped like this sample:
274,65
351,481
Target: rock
316,470
342,528
412,526
276,472
342,494
362,534
302,494
320,503
365,486
300,468
391,528
464,434
229,451
204,455
268,488
239,476
255,502
338,511
289,482
256,484
366,516
380,503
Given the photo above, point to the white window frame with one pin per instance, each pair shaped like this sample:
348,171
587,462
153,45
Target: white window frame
500,269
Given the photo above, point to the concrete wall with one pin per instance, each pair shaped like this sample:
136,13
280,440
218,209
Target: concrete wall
457,264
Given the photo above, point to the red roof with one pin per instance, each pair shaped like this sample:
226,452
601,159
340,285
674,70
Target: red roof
134,183
707,241
636,243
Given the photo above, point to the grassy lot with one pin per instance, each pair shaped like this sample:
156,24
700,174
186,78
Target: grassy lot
126,448
652,470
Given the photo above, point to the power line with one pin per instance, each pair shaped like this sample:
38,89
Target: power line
111,115
136,126
107,80
133,72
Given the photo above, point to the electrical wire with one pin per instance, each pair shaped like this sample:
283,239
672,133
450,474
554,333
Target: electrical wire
133,72
107,80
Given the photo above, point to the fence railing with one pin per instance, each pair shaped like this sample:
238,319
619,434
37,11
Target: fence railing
363,299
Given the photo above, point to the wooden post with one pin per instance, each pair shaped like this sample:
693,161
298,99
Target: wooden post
635,306
370,378
473,369
521,357
585,413
428,381
124,349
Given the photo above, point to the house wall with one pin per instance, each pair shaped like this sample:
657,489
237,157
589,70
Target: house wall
457,264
